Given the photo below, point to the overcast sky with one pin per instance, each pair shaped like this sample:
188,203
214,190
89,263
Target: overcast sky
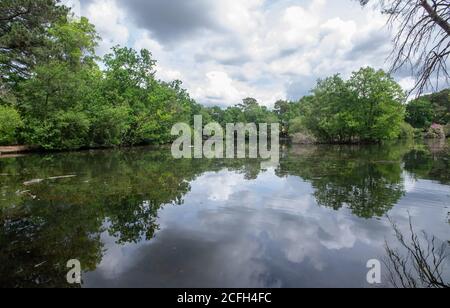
226,50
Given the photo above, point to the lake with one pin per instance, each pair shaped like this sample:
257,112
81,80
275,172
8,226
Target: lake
139,218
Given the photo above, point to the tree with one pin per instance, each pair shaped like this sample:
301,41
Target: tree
378,104
55,101
330,113
441,106
419,113
366,108
422,41
23,34
129,70
252,112
286,112
429,109
10,122
248,103
154,106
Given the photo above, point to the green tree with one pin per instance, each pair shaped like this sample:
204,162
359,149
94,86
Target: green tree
366,108
55,101
379,104
24,38
10,122
419,113
330,114
154,105
441,106
109,125
286,112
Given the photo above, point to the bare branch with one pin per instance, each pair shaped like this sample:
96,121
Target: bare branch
422,39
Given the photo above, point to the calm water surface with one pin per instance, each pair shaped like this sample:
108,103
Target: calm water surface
139,218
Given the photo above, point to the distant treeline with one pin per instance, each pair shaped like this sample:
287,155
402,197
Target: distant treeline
429,109
56,93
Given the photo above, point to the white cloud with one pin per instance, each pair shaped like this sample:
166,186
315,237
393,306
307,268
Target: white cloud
110,22
218,88
407,83
236,49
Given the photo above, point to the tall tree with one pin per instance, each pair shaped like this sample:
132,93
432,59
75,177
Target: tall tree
366,108
24,36
422,41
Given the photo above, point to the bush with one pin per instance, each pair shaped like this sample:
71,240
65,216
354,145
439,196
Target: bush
420,113
298,132
447,130
419,133
436,131
65,131
303,138
109,127
296,125
10,123
406,131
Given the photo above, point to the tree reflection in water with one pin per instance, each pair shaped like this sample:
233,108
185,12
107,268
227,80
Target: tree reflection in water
366,179
429,161
120,193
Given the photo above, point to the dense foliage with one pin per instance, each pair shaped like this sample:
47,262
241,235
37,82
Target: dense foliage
366,108
429,109
24,35
10,122
56,93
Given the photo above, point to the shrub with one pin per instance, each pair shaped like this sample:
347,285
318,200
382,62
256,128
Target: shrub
447,130
436,131
406,131
419,133
420,113
304,138
109,126
296,125
65,131
10,123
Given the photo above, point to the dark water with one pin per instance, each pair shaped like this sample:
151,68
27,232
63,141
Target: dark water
138,218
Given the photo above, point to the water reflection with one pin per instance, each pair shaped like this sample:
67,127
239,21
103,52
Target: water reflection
430,161
421,262
140,218
366,179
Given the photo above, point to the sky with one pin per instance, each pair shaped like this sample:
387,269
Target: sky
226,50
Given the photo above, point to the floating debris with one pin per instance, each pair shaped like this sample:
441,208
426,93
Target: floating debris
40,264
62,177
22,192
32,182
26,192
53,178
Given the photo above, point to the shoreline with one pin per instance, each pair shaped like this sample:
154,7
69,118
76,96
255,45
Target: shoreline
15,149
19,150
